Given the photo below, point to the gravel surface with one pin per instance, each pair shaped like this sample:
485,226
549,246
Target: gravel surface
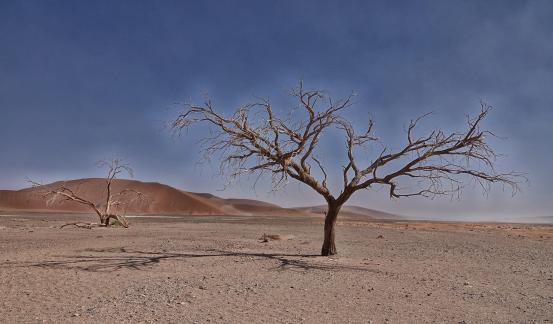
218,270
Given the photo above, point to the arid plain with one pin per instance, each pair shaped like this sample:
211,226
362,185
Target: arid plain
200,269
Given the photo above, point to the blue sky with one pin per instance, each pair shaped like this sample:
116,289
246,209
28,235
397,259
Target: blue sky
85,80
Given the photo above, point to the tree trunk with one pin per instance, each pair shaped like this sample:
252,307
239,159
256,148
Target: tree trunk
329,245
105,220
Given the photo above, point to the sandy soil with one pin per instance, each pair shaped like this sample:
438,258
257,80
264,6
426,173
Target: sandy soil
215,269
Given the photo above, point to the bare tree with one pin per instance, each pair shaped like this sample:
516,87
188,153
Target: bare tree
255,140
112,205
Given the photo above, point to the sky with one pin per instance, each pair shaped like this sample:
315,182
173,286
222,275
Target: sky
82,81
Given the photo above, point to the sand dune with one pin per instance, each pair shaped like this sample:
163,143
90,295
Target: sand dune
159,198
351,212
162,200
248,207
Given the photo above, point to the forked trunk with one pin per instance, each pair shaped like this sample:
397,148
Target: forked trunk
119,220
329,244
105,220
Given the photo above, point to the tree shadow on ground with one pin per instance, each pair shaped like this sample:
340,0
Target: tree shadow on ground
114,259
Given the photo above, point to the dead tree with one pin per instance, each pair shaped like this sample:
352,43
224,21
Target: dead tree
255,140
112,205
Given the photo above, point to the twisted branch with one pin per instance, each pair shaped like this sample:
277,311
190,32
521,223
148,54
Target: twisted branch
284,148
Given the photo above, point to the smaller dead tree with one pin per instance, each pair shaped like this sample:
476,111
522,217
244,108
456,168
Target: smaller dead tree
112,207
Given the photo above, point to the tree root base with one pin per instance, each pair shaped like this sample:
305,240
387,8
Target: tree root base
119,221
83,225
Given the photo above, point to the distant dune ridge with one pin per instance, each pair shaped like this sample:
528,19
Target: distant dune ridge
161,199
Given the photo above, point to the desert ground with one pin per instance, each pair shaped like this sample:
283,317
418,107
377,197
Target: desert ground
216,269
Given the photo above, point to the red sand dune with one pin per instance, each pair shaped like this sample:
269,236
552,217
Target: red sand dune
351,212
161,199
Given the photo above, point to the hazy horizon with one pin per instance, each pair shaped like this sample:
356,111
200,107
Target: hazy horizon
80,82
